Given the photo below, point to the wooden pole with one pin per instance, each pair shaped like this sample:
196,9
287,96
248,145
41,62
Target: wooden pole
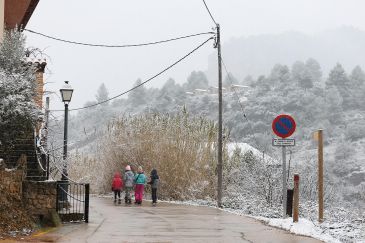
296,198
320,176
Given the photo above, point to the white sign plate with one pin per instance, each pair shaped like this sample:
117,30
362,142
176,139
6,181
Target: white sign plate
283,142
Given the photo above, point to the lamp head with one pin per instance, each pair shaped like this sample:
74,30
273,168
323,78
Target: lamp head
66,92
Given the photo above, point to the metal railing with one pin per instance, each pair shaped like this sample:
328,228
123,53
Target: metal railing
72,201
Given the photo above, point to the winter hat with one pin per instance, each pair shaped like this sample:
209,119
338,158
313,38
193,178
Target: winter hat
128,167
154,172
140,170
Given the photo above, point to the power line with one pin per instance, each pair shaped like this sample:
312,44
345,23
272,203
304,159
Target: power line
241,106
238,99
206,6
148,80
118,46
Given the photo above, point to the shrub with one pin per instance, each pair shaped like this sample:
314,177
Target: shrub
181,148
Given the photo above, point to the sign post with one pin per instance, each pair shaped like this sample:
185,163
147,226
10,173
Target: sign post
285,187
284,126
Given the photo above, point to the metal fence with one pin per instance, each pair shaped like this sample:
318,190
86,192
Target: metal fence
73,201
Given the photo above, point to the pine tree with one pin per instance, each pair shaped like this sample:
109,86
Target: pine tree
338,78
137,96
196,80
18,111
357,86
357,77
314,70
280,78
229,80
301,75
102,94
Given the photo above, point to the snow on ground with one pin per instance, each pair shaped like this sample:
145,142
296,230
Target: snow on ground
327,231
245,147
304,227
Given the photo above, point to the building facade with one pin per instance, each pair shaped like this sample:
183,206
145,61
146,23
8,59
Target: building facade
15,13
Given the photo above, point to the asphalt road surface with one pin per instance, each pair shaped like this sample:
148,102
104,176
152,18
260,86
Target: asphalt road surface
165,223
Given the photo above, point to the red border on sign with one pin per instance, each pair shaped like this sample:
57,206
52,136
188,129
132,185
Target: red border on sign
290,132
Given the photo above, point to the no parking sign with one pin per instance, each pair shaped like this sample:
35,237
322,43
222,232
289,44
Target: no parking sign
283,126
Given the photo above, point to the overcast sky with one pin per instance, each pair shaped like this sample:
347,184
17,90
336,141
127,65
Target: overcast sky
129,22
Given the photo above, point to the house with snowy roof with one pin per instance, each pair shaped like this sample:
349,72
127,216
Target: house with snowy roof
15,13
238,88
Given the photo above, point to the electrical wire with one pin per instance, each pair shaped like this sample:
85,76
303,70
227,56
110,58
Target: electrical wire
238,99
118,46
206,6
240,104
148,80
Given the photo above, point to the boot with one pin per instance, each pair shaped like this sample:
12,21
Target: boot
119,201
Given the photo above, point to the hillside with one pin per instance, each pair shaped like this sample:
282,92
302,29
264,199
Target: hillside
256,55
333,102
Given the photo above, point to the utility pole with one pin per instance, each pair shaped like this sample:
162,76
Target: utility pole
220,126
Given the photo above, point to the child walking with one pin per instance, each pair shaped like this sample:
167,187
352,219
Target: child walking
140,180
117,186
154,181
128,184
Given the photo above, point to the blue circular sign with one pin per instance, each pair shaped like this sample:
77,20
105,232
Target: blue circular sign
283,126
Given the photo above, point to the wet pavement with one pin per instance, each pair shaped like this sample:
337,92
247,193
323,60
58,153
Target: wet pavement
165,223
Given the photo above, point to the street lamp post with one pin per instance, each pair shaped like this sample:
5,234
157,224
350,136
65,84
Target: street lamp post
66,94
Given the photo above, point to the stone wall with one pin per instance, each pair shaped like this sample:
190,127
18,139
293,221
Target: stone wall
11,180
39,198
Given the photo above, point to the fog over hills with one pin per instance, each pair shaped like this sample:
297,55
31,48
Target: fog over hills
256,55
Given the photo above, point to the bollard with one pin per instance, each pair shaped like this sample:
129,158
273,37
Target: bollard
289,202
296,198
